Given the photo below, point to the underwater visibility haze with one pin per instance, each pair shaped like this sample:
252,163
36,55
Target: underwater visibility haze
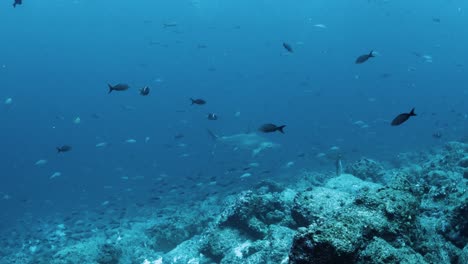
249,131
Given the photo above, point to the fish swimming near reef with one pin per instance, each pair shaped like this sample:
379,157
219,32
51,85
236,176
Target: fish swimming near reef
363,58
198,101
17,2
288,47
401,118
245,141
118,87
268,128
64,148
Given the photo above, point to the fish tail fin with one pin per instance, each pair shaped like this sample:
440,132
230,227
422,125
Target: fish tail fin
58,150
280,128
412,112
110,88
193,101
371,54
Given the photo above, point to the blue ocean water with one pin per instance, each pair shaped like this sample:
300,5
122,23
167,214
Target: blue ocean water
57,58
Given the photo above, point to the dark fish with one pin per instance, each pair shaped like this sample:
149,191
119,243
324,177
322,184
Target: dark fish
127,107
212,116
288,47
436,19
268,128
385,75
178,136
198,101
364,58
64,148
401,118
144,91
171,24
17,2
118,87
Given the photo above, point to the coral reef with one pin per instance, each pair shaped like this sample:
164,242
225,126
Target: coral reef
366,169
417,214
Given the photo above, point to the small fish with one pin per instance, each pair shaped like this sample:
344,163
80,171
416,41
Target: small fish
130,141
8,101
40,162
268,128
288,47
170,24
77,120
427,58
364,58
127,107
437,135
64,148
320,26
198,101
338,166
401,118
144,91
212,116
178,136
245,175
17,2
118,87
436,20
102,145
55,175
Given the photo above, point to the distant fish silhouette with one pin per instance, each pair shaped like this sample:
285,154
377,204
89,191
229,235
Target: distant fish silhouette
212,116
64,148
363,58
17,2
401,118
268,128
170,24
198,101
144,91
288,47
118,87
